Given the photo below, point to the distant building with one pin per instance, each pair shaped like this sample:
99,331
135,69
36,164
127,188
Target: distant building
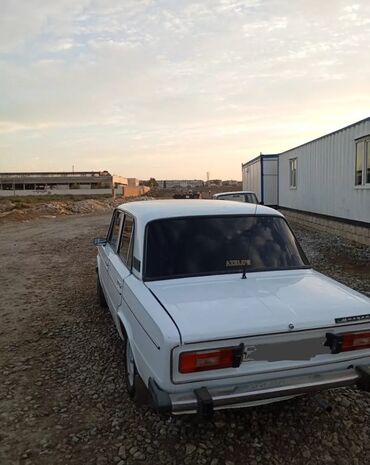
260,175
214,182
231,182
180,183
61,183
133,182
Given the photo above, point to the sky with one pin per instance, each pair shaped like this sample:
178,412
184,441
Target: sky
176,88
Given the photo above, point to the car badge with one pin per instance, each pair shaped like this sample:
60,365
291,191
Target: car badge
349,319
247,353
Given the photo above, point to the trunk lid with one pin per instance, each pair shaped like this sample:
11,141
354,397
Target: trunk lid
224,307
278,318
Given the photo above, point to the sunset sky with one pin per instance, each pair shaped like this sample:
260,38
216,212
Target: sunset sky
173,89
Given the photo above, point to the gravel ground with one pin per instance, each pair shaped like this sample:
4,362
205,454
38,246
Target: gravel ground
342,260
62,395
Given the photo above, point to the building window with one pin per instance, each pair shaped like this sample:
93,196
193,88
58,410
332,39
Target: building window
293,172
362,163
360,151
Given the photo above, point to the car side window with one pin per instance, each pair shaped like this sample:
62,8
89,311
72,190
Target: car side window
126,245
114,229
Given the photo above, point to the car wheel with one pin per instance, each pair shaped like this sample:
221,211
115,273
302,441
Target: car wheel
135,385
100,293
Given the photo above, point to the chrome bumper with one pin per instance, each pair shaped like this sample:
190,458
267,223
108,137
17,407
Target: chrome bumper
205,401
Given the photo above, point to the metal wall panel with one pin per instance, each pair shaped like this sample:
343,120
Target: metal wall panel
251,175
270,167
325,176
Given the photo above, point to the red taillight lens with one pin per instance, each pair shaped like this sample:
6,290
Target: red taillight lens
191,362
355,341
346,342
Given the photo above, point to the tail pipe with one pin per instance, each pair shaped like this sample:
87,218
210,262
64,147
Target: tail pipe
364,381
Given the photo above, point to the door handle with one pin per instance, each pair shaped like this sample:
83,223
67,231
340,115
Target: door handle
119,284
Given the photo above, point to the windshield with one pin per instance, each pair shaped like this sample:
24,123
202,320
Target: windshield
193,246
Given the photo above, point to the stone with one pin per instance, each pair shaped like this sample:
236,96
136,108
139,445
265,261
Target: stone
189,449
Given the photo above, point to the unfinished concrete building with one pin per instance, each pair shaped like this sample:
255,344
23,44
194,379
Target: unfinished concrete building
62,183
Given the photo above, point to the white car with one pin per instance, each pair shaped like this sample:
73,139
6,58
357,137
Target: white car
237,196
219,308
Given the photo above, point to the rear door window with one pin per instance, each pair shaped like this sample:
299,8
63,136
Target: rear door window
113,234
126,245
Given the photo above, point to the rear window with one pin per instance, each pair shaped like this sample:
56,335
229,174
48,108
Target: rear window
233,197
239,197
251,198
193,246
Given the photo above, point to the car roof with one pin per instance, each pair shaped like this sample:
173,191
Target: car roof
233,192
145,211
148,210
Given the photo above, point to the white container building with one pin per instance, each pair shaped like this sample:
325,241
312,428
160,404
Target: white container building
329,176
260,175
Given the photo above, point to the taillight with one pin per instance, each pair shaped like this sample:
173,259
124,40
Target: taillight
228,357
353,341
346,342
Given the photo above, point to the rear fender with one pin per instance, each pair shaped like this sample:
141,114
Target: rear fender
124,327
126,330
153,360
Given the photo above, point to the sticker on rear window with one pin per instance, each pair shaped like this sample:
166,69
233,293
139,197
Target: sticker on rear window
348,319
243,262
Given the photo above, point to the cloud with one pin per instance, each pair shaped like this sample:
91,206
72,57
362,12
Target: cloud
213,81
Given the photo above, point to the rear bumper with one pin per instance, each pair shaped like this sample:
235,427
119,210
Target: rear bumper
205,401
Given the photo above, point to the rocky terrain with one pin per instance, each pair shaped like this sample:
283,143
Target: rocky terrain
62,394
27,208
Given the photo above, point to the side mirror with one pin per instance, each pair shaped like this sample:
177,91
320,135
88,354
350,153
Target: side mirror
99,241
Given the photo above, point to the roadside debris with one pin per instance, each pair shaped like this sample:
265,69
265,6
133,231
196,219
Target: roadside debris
22,210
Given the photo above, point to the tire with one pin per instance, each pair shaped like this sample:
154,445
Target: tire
135,386
100,293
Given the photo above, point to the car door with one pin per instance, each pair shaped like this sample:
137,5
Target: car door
106,252
120,263
125,253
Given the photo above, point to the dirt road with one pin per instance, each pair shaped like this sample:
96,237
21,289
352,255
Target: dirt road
62,395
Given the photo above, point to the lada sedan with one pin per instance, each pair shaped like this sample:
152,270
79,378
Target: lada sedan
218,307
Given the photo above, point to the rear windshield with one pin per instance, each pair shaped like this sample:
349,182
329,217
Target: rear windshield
239,197
250,198
194,246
